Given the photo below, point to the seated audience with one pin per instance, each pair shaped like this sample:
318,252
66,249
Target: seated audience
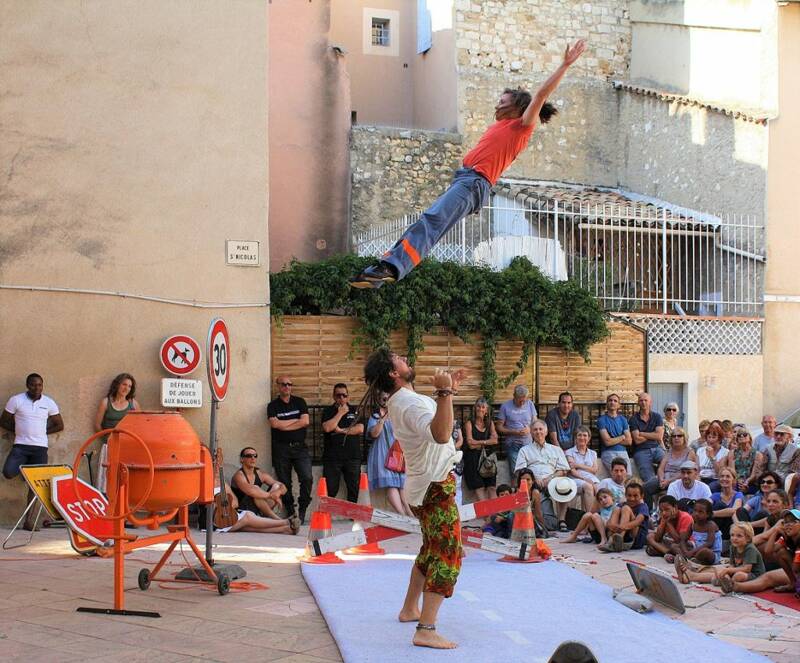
594,522
248,521
745,461
615,434
746,562
670,467
381,432
727,432
563,422
711,457
647,433
616,482
772,508
726,501
665,540
783,455
584,466
629,522
775,503
500,523
703,542
671,423
480,437
687,490
794,491
753,509
784,543
765,439
700,441
548,463
256,490
524,478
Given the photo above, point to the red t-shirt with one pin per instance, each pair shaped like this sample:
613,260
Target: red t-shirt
684,522
498,147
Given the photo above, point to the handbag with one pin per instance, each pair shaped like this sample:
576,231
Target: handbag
487,465
395,460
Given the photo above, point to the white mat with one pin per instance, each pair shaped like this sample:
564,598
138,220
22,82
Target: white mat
501,612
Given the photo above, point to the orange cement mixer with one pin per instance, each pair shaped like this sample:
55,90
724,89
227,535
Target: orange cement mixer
157,467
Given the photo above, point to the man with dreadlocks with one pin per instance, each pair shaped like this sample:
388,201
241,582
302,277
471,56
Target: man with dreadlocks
424,428
515,115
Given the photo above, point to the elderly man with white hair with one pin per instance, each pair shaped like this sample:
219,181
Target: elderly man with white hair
514,424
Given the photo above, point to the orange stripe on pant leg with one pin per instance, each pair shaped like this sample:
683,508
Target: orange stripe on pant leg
411,251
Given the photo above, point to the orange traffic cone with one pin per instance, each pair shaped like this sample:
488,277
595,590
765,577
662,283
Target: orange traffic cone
319,528
363,499
523,531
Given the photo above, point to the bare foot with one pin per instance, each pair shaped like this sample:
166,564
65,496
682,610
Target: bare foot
432,639
408,616
572,538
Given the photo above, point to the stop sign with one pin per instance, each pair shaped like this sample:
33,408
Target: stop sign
81,512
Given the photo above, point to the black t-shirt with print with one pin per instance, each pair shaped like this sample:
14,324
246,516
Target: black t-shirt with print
294,409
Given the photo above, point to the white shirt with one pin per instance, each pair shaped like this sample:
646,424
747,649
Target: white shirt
706,463
698,491
617,490
541,460
30,418
589,458
427,461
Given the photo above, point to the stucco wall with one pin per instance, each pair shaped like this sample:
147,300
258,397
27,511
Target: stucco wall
397,172
309,119
719,166
782,360
513,43
132,145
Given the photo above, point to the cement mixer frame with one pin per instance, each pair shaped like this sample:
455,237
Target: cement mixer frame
195,478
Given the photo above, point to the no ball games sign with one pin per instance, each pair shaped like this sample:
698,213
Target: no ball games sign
218,359
180,355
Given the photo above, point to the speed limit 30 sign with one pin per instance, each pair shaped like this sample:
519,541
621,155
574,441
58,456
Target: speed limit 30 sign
218,359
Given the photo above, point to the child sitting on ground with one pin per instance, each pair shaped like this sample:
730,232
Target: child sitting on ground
500,523
673,523
595,521
703,542
745,564
629,522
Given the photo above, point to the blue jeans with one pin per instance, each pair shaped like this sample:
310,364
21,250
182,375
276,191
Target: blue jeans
608,455
646,459
467,194
512,451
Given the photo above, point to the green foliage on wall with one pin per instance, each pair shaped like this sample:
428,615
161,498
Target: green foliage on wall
518,303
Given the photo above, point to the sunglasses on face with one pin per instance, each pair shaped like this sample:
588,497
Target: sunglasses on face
285,384
340,395
678,435
671,409
767,482
742,434
249,455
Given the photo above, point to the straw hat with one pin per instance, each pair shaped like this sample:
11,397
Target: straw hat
562,489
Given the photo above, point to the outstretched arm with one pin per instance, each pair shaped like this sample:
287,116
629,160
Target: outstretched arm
571,54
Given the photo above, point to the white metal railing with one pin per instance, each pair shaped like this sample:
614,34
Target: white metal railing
633,258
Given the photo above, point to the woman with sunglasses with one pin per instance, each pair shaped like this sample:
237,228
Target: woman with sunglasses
256,490
745,461
754,510
670,422
669,469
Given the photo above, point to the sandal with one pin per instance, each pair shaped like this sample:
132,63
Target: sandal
669,558
562,526
294,524
726,584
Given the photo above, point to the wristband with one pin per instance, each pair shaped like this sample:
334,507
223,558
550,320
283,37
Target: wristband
444,392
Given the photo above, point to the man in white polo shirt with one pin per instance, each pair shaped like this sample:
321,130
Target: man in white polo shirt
31,416
424,428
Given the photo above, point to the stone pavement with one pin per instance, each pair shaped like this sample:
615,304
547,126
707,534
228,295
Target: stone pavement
44,582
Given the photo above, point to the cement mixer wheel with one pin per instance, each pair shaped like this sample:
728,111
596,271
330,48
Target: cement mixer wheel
144,579
223,584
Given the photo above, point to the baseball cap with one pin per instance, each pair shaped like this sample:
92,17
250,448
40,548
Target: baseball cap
783,428
794,513
688,465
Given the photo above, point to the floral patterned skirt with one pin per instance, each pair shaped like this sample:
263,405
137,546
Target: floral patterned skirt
439,558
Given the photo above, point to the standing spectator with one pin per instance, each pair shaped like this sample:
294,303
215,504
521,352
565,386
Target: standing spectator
288,419
765,439
120,399
514,424
687,490
342,433
671,423
584,466
563,422
711,457
616,482
547,462
783,456
381,432
31,416
481,437
647,433
670,467
700,441
615,434
745,461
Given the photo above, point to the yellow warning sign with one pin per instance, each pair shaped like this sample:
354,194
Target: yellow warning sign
38,479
